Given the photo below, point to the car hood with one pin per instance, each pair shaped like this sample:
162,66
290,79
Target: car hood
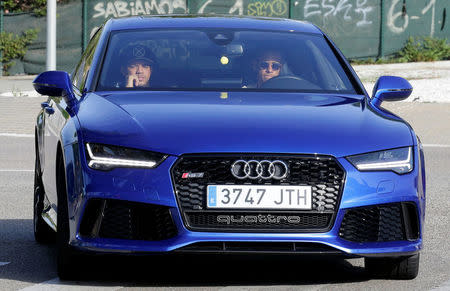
239,122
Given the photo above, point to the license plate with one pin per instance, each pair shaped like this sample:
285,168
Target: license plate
259,197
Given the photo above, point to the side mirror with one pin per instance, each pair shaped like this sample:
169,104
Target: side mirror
390,88
55,83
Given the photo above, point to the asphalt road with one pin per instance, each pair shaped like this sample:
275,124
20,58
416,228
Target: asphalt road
26,264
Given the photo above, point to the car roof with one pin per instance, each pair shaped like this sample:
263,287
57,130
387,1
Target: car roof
211,21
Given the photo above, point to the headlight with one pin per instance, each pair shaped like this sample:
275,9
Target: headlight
398,160
107,157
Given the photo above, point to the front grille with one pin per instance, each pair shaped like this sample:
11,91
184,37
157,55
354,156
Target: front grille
322,173
373,224
264,247
119,219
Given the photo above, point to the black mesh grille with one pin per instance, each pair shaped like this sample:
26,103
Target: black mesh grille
373,224
322,173
127,220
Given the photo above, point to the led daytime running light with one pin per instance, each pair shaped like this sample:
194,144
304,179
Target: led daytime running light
397,164
117,162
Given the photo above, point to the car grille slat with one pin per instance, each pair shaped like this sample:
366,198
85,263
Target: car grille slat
264,247
322,173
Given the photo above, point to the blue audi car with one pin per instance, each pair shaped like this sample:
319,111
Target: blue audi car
207,134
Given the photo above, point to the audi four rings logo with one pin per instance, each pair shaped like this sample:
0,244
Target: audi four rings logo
265,169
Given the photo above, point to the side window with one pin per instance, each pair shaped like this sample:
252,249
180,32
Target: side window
76,77
82,69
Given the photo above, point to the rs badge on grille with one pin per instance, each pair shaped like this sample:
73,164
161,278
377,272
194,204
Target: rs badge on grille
192,175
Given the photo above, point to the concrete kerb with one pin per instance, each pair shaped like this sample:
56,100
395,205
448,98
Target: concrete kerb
409,71
430,80
17,86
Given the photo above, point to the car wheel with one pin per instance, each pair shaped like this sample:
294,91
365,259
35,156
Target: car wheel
394,268
67,259
42,231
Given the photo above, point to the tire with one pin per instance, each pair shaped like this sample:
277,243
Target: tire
43,233
67,257
405,268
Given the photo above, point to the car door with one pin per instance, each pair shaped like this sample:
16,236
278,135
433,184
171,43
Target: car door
56,115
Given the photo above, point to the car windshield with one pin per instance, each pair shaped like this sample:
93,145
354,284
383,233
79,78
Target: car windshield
221,59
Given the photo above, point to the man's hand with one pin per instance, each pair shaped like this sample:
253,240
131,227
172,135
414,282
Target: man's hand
132,81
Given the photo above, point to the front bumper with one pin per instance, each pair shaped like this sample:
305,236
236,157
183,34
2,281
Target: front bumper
154,187
189,238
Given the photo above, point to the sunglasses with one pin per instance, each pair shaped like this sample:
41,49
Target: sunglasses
266,64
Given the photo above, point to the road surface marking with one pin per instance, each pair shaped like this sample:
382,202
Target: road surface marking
56,284
444,287
18,93
15,170
16,135
4,263
427,145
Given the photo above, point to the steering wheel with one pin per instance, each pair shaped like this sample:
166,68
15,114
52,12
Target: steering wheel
289,82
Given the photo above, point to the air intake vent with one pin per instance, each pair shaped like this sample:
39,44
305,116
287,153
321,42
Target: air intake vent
380,223
127,220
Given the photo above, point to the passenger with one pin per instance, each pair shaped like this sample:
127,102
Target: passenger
139,66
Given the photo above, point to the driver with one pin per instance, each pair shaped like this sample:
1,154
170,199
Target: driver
139,66
269,65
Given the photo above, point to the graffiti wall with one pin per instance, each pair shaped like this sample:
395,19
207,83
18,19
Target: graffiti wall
99,11
361,28
357,25
353,24
270,8
414,18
